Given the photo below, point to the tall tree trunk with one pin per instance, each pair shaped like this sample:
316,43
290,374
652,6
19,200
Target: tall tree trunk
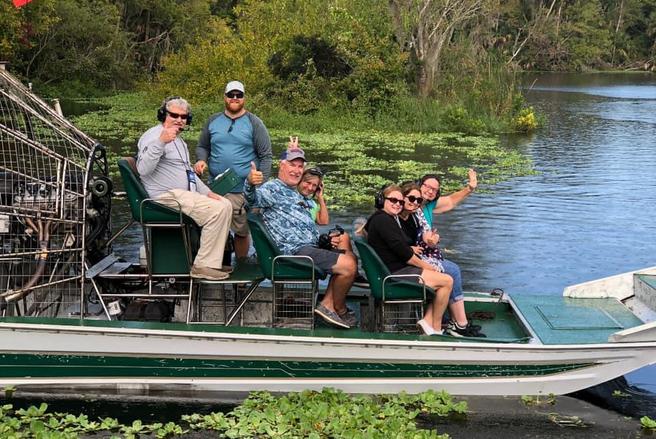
425,27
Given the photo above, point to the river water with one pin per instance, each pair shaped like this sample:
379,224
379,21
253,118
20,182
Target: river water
587,213
590,211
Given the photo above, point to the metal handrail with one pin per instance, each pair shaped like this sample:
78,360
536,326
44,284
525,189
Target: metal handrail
413,276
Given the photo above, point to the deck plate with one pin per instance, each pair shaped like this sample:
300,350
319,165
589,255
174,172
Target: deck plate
563,320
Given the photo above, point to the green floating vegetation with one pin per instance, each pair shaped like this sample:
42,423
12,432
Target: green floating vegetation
648,423
309,414
530,400
358,162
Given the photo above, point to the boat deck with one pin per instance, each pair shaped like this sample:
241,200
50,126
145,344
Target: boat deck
498,320
562,320
553,320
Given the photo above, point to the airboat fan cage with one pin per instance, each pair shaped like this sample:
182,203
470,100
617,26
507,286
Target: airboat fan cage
54,204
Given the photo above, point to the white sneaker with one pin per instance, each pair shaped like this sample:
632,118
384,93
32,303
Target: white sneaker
427,329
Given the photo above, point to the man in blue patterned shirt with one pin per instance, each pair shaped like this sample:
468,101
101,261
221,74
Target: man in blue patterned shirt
295,233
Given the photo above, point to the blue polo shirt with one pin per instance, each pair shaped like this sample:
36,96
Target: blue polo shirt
233,143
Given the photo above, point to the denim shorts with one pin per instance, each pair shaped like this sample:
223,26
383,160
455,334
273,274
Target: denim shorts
323,259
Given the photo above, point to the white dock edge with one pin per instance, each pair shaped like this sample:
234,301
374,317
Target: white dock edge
619,286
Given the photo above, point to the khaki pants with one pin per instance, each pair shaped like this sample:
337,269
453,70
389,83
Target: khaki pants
213,216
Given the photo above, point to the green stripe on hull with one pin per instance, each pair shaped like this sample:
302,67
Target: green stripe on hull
41,366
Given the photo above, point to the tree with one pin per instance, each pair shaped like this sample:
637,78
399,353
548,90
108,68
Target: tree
425,28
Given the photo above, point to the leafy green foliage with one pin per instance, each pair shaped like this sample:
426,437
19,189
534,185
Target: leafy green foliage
309,414
648,423
531,400
329,413
526,121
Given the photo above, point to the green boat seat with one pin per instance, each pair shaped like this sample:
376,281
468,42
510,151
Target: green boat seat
166,230
295,279
377,272
284,268
400,301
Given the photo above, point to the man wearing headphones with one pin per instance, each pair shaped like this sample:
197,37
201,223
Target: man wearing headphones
233,139
165,170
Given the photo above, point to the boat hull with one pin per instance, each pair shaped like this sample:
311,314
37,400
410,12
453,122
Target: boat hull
216,360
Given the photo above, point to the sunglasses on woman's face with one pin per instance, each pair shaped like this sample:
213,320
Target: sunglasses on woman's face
394,200
413,199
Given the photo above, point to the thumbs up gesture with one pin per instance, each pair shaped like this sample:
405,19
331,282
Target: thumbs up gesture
255,177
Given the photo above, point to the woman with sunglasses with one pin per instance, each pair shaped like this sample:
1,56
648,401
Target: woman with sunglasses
425,244
386,237
434,203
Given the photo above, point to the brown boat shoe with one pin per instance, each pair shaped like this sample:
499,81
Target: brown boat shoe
208,273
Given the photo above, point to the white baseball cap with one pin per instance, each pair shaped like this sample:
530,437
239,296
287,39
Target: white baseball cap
234,85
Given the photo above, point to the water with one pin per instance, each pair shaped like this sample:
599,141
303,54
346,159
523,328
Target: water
587,214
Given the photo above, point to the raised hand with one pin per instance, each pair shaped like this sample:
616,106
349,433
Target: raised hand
169,134
473,179
293,143
255,177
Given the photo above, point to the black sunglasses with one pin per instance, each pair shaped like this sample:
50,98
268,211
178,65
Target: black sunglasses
173,115
234,95
315,171
394,200
413,199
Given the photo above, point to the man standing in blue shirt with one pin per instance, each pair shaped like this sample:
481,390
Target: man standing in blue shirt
233,139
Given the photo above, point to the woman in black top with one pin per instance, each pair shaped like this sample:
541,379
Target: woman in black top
391,244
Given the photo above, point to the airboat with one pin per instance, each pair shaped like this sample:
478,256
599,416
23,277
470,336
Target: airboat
75,316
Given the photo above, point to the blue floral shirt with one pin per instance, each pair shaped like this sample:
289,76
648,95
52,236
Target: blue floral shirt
285,215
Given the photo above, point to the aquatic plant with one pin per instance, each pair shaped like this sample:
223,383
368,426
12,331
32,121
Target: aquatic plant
329,413
648,423
530,400
309,414
620,394
526,121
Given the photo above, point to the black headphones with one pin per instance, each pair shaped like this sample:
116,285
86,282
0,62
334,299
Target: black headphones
379,197
161,111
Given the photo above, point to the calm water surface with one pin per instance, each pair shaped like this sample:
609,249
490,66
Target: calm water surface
588,214
590,210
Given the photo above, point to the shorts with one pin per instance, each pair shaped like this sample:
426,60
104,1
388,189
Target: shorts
323,259
409,269
239,224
